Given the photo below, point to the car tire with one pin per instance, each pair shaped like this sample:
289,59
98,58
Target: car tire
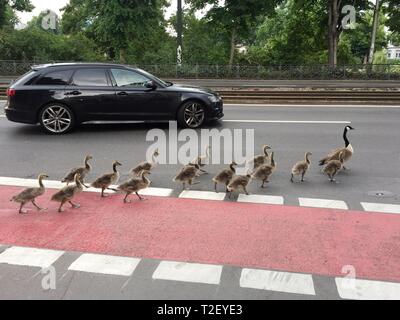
57,118
192,114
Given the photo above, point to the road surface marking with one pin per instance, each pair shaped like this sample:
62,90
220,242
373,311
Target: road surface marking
202,195
323,203
356,289
95,263
288,121
260,199
308,105
188,272
28,183
381,207
157,192
277,281
30,257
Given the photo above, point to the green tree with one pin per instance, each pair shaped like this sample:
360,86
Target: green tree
7,6
238,17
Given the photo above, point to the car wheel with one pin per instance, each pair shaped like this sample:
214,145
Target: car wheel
57,118
191,115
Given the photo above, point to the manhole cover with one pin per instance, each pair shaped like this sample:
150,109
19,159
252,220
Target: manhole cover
381,194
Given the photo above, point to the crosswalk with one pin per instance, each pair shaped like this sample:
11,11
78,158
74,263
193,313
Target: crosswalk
387,208
201,274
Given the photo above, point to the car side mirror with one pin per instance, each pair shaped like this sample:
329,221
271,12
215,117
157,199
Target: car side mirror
151,85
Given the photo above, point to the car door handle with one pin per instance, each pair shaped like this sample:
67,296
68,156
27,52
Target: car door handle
73,93
122,93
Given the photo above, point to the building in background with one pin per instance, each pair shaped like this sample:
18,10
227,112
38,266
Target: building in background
393,52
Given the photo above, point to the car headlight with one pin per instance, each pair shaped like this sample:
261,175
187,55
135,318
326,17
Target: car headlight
214,99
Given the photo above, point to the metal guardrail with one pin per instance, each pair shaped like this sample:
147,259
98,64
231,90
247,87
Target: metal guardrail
273,72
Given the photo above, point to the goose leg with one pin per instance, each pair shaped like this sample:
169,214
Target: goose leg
245,190
73,205
291,179
21,211
262,186
302,176
36,206
126,198
102,193
140,198
60,209
215,187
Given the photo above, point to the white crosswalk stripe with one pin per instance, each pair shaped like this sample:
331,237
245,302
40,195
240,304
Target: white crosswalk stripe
188,272
261,199
323,203
94,263
381,207
277,281
356,289
30,257
202,195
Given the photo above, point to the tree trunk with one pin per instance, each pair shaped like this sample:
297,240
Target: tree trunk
122,55
333,34
374,31
233,48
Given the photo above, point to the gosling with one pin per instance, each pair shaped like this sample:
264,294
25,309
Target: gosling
67,193
134,185
225,176
239,182
301,167
264,172
30,195
334,166
187,175
82,171
106,180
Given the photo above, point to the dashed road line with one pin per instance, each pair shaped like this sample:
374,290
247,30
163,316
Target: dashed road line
277,281
356,289
32,257
202,195
95,263
261,199
188,272
323,203
381,207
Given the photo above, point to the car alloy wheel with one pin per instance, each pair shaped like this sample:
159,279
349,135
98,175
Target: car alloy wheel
56,119
194,115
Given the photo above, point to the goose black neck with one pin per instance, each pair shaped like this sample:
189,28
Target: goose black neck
233,168
347,143
41,182
115,168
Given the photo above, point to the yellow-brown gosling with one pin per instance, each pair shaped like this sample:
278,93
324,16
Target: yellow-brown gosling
239,182
301,167
202,160
106,180
30,195
82,171
67,193
225,176
265,171
261,159
187,175
334,166
148,166
348,150
134,185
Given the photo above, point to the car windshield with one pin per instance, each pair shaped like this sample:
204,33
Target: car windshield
164,83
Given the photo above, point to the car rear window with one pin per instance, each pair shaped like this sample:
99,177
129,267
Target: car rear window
57,78
90,77
26,79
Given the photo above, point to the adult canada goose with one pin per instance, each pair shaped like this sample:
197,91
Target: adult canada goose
67,193
106,180
239,182
334,166
225,176
301,167
146,166
30,195
261,159
202,160
265,171
187,175
82,171
134,185
348,150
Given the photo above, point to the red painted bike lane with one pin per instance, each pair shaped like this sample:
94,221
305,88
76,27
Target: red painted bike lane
295,239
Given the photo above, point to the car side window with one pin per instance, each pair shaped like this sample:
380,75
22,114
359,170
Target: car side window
128,78
90,77
55,78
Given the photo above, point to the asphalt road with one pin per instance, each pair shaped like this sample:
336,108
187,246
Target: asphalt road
291,131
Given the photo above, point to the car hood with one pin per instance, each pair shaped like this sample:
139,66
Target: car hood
188,88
